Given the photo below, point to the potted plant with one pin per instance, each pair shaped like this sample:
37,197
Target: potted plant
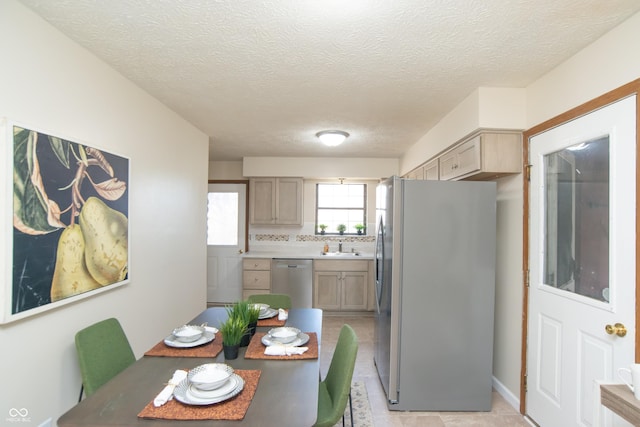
232,331
254,315
341,228
243,310
322,228
359,228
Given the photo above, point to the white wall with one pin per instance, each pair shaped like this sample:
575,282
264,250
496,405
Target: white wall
606,64
229,170
53,84
317,167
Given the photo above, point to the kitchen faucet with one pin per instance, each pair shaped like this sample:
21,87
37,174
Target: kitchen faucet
340,246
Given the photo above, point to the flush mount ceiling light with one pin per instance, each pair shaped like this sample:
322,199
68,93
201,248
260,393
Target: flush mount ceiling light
332,137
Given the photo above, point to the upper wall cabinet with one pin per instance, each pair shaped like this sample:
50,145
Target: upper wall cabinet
432,170
417,173
485,156
275,201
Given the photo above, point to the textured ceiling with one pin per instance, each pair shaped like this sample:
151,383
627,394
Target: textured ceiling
262,77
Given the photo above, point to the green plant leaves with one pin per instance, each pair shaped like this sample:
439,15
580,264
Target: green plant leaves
33,212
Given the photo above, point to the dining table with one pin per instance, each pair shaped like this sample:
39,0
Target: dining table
286,392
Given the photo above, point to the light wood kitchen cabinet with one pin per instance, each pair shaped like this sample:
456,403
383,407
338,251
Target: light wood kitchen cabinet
417,173
256,276
341,285
485,156
432,170
275,201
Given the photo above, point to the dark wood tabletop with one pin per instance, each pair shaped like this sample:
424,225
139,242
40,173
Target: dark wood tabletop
287,392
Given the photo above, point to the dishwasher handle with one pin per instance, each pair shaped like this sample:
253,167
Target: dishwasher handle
292,264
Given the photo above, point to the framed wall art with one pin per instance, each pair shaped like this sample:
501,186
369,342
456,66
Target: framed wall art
68,236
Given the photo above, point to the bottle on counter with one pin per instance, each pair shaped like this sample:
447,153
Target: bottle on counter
326,248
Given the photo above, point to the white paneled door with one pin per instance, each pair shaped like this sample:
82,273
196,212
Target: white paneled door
582,264
226,230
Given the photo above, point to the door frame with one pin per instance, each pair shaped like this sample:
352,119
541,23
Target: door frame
246,203
624,91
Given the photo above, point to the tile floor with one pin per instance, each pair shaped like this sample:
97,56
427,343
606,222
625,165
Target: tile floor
501,415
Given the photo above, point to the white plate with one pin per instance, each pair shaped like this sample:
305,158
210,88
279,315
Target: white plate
195,393
207,337
268,314
262,307
301,340
183,394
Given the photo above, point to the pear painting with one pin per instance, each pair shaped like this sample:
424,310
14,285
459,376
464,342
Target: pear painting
105,234
71,275
70,221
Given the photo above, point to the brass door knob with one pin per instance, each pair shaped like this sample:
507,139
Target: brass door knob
619,329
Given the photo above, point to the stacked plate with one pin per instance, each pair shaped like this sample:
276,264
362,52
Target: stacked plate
208,384
190,336
266,311
285,336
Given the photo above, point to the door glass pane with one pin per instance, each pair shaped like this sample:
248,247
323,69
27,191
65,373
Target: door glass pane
576,248
222,219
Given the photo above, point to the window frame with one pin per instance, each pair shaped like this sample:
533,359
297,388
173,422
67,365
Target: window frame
363,209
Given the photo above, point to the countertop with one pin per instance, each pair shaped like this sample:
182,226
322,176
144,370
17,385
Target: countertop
308,255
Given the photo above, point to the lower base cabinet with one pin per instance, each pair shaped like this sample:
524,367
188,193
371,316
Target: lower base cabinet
341,285
256,276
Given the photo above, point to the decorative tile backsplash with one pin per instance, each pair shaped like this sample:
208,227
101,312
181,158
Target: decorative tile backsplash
304,240
333,238
272,237
312,238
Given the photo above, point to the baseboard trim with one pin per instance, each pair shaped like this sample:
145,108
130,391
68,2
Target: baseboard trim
511,398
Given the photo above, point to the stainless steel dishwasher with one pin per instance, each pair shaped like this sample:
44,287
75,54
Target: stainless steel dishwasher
293,277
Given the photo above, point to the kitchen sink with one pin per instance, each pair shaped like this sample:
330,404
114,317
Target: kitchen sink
341,254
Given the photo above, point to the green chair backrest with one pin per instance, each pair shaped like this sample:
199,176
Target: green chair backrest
274,300
103,352
340,374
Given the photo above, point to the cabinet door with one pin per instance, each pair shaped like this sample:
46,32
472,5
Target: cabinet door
416,174
469,157
448,165
262,194
354,290
326,291
289,201
431,170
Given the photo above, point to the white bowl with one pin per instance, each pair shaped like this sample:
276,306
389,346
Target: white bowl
188,333
284,335
210,376
262,307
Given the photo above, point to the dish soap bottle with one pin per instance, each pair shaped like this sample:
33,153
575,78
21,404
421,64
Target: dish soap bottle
326,248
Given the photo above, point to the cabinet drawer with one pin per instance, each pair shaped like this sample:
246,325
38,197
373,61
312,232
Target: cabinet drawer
249,292
254,279
256,264
331,265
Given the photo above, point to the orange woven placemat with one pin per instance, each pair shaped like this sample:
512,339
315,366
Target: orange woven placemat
255,350
208,350
232,409
272,321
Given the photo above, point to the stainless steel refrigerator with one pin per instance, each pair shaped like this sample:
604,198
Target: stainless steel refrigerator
435,280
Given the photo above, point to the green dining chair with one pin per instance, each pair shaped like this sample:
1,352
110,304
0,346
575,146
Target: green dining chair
274,300
103,351
335,390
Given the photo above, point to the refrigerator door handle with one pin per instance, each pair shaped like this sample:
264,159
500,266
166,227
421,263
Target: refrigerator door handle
379,259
